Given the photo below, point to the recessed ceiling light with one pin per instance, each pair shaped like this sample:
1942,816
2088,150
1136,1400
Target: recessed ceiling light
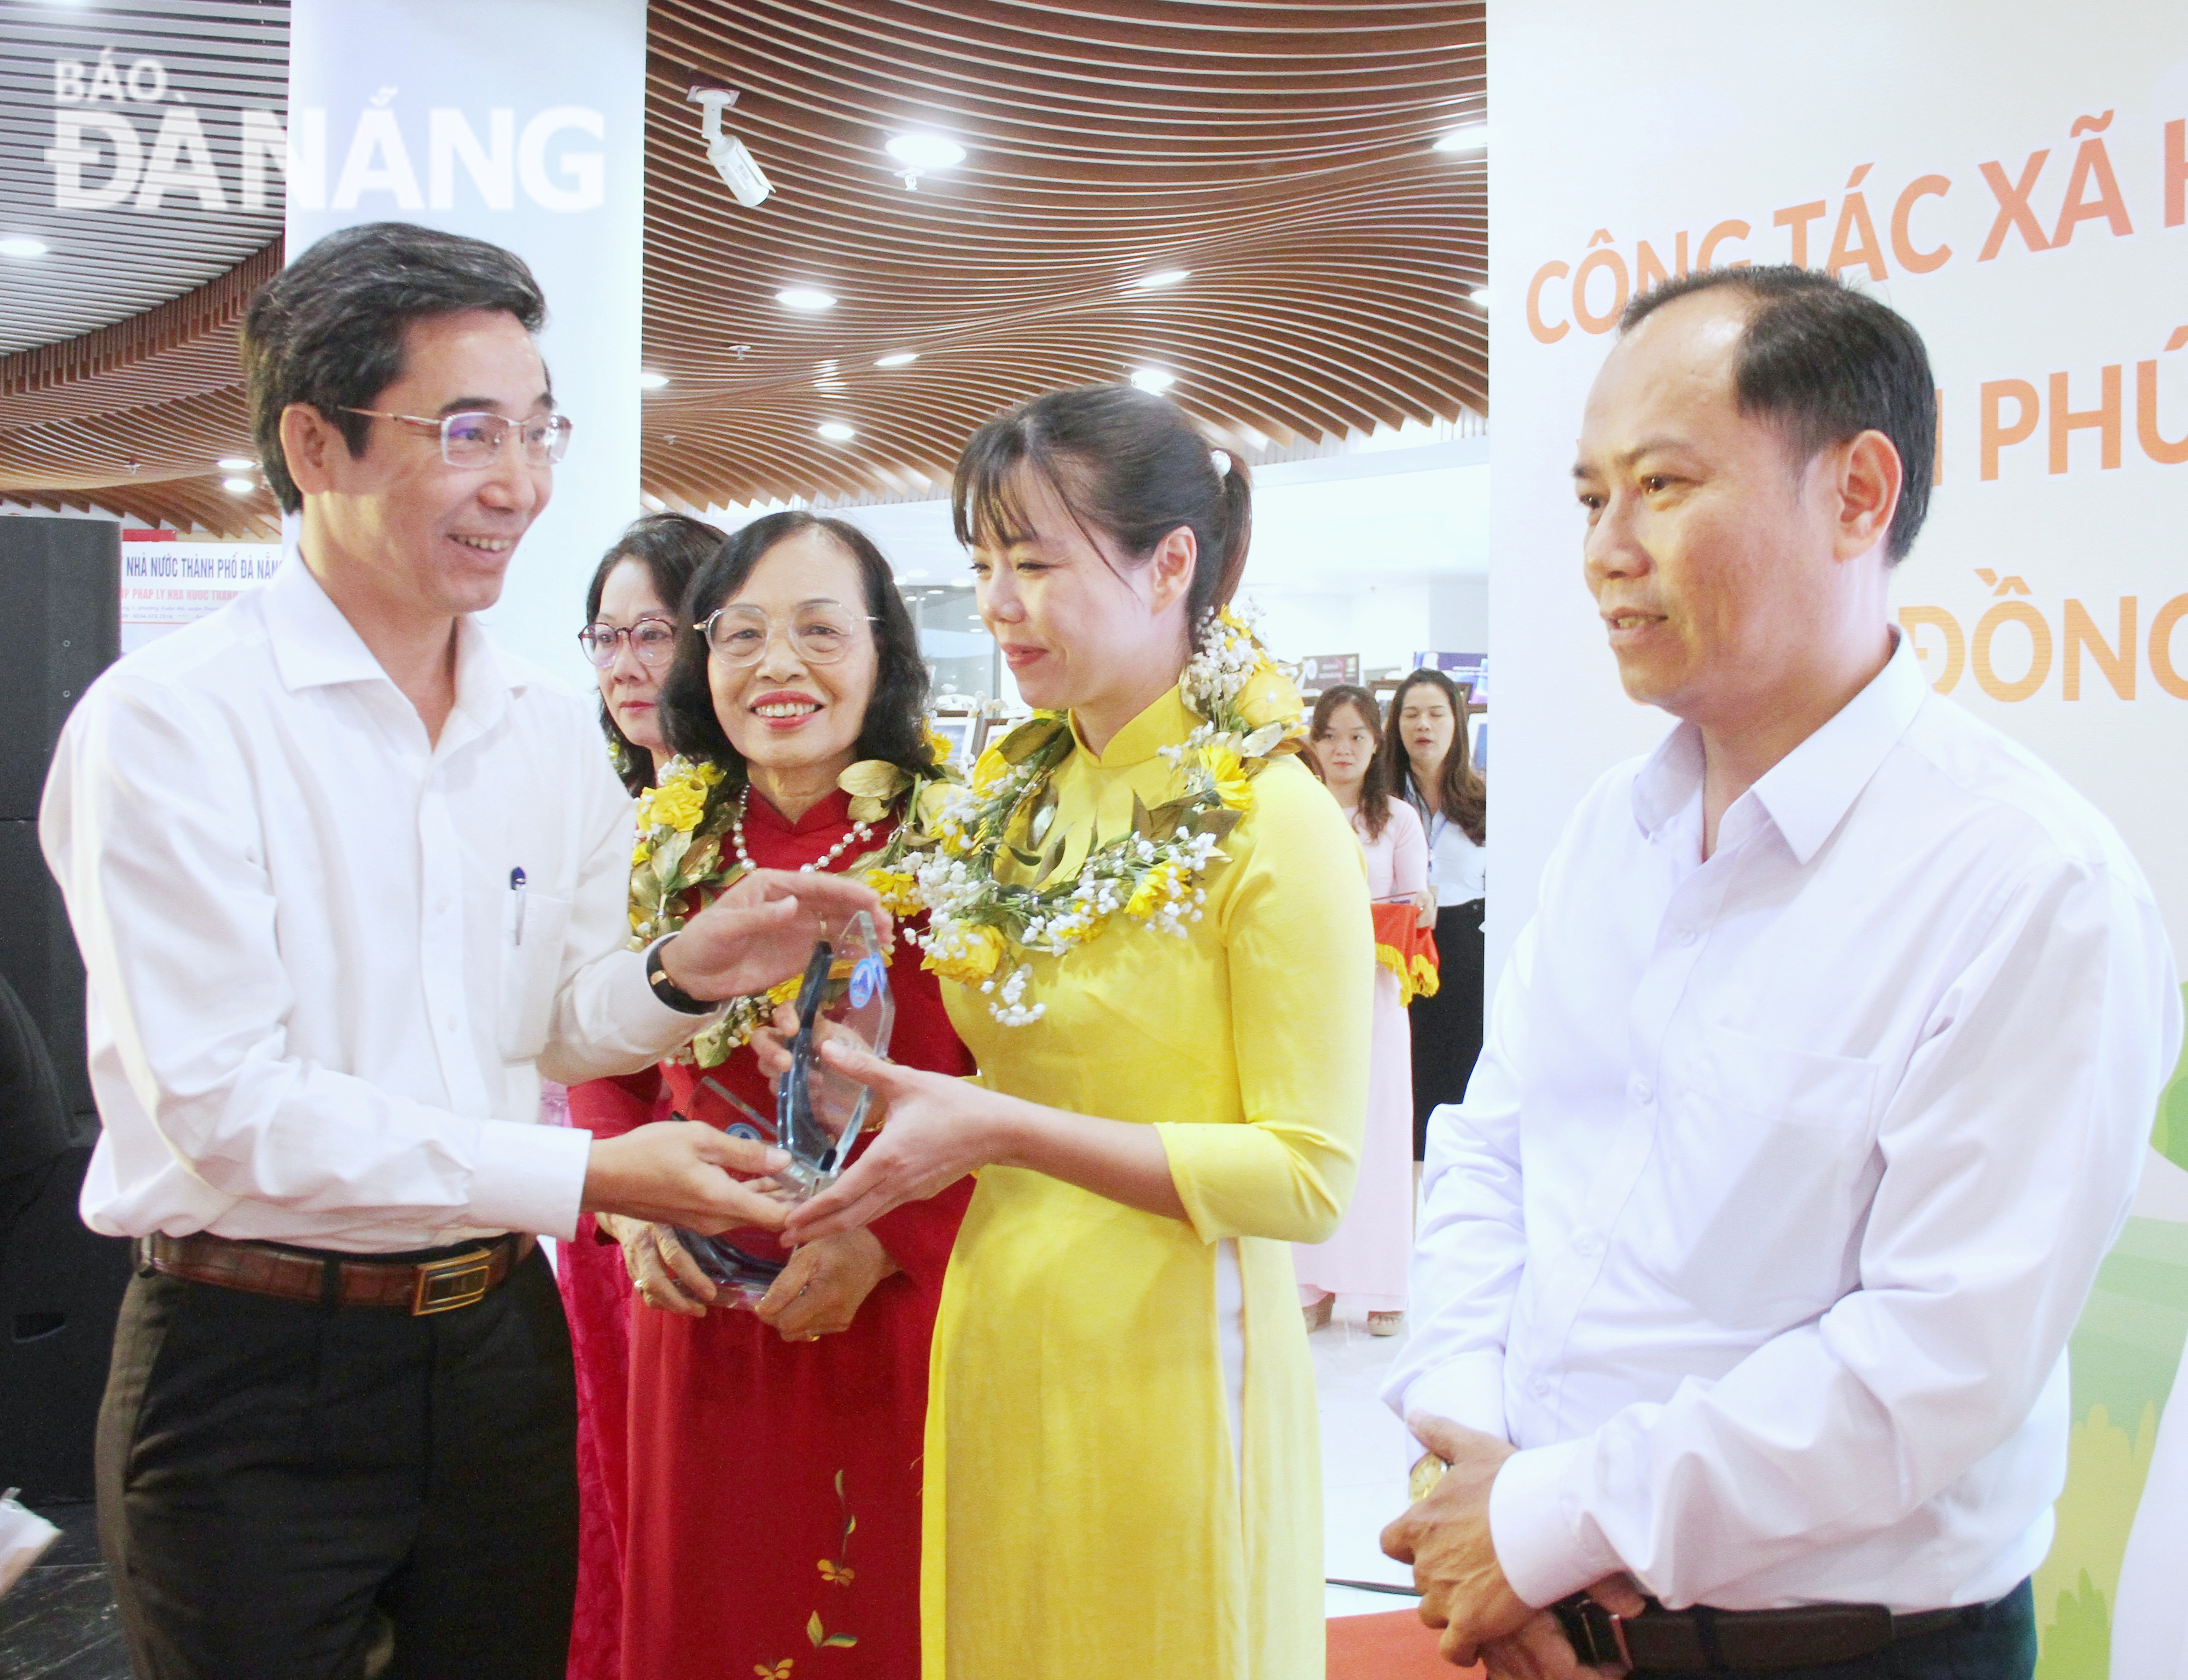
1161,277
807,298
238,487
902,359
1479,296
651,381
22,247
1473,137
235,464
835,431
1153,379
925,152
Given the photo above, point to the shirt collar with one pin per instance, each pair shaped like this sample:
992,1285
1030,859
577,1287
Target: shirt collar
315,646
1808,791
1164,724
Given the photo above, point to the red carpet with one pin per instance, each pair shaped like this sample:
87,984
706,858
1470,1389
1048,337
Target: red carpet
1395,1646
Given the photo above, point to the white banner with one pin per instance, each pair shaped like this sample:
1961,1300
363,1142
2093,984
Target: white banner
520,122
2014,179
167,583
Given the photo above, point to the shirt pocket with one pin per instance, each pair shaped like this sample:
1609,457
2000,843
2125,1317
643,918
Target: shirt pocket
531,971
1766,1160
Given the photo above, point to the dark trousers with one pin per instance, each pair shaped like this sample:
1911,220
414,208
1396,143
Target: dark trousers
1446,1028
1996,1641
298,1492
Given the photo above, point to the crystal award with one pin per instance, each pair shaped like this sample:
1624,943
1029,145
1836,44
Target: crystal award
820,1111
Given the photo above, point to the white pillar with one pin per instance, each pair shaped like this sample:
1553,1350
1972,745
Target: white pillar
520,122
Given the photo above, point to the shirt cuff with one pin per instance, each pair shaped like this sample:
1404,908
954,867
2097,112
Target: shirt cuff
1546,1549
650,1020
1468,1389
529,1177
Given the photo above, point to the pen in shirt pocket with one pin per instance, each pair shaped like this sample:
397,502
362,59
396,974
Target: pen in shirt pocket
516,906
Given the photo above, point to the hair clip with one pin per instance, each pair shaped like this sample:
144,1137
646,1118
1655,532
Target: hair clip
1220,462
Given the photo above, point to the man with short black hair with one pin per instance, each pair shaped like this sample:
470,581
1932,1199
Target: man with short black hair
1812,1095
347,882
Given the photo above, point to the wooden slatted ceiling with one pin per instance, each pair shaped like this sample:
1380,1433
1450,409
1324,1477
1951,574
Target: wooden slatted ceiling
1280,152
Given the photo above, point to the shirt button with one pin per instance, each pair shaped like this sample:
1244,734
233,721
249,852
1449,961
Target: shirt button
1539,1387
450,1023
1587,1245
1687,936
1640,1091
440,906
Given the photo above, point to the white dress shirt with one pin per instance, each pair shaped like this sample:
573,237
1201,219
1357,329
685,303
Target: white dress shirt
315,1017
1458,868
1784,1174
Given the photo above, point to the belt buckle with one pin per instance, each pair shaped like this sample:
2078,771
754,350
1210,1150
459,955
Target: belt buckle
1597,1636
444,1285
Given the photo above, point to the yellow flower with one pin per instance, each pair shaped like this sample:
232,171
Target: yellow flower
1232,785
992,769
1268,697
786,991
966,954
638,852
1153,891
708,773
680,804
899,889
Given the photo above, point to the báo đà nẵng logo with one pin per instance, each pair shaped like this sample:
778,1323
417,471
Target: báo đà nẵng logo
124,139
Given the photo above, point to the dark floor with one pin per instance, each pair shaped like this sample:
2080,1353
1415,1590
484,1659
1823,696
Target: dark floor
58,1623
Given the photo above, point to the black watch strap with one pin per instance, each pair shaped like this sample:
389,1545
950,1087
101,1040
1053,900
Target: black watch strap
668,991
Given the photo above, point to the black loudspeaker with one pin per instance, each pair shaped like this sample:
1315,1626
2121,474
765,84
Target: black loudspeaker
60,1285
60,1291
62,581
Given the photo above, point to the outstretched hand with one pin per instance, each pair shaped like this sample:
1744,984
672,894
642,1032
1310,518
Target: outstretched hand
676,1173
939,1128
761,931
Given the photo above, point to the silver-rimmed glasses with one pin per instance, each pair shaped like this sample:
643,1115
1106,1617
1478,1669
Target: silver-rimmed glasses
820,632
473,439
652,639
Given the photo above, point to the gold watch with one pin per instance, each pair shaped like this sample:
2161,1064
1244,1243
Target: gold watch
1421,1480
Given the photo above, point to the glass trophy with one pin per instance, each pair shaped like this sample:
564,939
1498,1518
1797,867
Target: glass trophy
820,1111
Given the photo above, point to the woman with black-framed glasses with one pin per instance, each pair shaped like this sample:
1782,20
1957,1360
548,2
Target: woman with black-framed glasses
632,611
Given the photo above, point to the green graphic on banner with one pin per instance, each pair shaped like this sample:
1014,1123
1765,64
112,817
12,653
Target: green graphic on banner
2122,1359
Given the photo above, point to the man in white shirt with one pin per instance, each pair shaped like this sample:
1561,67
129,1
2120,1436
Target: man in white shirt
1812,1095
347,881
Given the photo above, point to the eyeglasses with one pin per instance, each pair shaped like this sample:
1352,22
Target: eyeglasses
475,439
820,633
652,639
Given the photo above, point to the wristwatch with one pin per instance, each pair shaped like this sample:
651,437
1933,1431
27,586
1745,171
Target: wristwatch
668,990
1421,1480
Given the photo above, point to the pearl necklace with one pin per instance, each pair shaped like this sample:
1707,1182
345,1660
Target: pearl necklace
859,830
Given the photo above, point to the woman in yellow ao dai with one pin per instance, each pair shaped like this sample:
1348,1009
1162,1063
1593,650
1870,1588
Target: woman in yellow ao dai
1122,1474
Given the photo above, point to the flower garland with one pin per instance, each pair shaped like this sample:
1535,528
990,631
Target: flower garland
684,822
987,895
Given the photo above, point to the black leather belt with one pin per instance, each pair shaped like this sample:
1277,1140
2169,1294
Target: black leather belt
1706,1641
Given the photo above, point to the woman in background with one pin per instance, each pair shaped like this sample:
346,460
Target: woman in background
1365,1262
1427,755
774,1474
630,635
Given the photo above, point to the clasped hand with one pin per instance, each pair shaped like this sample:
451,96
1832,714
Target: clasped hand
1446,1537
818,1293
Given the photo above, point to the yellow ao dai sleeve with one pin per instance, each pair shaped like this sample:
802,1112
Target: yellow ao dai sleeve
1086,1512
